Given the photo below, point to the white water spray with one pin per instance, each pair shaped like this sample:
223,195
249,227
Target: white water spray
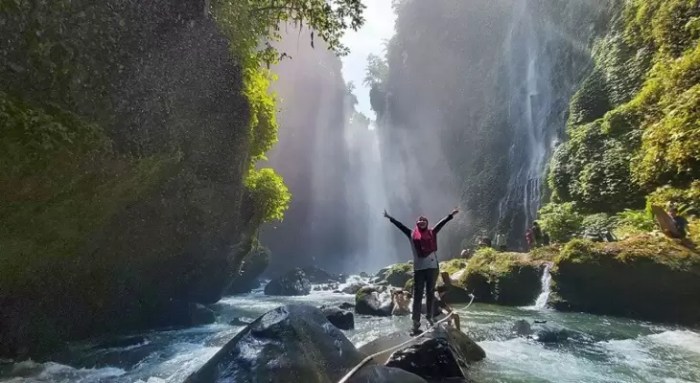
546,279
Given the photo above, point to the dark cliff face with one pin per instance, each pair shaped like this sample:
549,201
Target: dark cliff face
481,91
159,80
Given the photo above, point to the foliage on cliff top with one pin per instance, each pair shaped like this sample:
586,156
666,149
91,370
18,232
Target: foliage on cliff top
638,249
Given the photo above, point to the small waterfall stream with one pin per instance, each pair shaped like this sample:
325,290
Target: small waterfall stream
542,299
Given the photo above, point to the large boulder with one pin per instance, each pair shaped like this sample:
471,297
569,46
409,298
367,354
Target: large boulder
293,283
293,343
395,275
247,278
340,318
384,342
444,353
644,277
370,301
383,374
505,278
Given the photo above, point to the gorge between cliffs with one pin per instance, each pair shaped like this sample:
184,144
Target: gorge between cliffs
181,181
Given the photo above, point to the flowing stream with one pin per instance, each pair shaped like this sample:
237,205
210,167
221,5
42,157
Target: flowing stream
600,349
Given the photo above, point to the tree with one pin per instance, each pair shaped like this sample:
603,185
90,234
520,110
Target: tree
377,70
255,20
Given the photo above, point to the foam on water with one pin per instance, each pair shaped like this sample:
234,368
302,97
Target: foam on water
610,350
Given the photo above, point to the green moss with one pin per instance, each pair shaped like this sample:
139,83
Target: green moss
452,266
657,249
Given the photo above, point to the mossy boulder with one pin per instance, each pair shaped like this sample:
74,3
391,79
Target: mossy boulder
395,275
503,278
645,277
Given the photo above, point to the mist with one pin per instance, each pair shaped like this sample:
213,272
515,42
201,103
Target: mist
474,100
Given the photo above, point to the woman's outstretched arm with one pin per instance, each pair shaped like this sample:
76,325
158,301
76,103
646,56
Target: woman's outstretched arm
398,224
443,221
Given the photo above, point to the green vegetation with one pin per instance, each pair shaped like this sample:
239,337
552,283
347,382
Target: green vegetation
634,126
561,221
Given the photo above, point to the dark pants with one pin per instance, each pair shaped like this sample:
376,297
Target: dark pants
423,281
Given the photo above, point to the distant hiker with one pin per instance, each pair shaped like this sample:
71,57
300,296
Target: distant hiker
425,265
537,233
442,309
545,238
530,238
500,242
680,222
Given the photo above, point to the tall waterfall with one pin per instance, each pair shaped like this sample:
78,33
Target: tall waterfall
528,68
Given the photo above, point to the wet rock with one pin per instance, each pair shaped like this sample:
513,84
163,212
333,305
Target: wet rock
368,301
383,374
522,328
346,306
318,276
551,334
444,353
342,319
293,343
200,314
364,275
383,343
293,283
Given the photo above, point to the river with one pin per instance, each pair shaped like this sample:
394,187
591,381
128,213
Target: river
604,349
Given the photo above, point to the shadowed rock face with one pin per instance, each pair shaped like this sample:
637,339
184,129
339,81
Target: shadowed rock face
293,343
158,78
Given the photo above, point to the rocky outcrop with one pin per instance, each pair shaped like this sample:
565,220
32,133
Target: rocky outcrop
503,278
293,343
644,277
444,353
292,283
395,275
247,278
370,301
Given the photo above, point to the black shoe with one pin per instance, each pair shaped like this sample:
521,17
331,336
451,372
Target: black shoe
416,331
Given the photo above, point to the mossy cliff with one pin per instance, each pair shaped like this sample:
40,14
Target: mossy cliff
645,277
129,131
633,136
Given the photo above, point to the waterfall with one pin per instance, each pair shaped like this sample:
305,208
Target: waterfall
528,67
546,279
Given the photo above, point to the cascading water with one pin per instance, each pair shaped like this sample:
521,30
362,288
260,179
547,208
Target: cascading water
546,280
528,69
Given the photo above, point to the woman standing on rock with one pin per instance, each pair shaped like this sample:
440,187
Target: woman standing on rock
425,264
